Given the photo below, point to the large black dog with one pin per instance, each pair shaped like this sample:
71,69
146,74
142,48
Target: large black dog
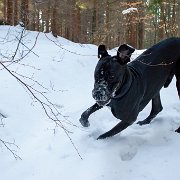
128,88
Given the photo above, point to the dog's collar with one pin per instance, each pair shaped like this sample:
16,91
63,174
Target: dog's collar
123,88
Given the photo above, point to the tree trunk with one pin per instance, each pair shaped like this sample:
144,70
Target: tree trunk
173,22
10,12
76,23
162,23
54,20
178,17
107,29
47,16
132,25
37,26
15,12
140,34
131,30
94,21
32,22
5,11
24,12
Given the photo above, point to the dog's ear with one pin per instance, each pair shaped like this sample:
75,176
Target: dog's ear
102,52
124,53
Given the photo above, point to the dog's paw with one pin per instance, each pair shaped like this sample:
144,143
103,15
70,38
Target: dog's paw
84,122
140,123
146,121
177,130
103,136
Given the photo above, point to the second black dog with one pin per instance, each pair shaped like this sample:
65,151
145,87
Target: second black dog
128,88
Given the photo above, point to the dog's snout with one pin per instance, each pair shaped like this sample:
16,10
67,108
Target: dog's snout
98,94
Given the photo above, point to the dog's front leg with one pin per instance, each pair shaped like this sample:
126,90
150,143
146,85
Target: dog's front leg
115,130
85,115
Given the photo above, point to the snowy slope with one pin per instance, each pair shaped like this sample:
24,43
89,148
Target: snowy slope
149,152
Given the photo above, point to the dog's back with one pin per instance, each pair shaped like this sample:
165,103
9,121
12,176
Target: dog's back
163,54
157,66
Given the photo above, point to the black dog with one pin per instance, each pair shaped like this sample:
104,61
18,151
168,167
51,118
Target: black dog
128,88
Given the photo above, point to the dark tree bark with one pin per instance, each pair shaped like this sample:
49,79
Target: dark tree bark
9,19
98,22
131,31
54,24
16,10
32,23
47,16
178,17
24,12
76,22
5,11
37,19
107,27
140,34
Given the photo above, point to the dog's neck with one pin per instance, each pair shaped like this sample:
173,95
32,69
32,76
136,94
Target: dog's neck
124,86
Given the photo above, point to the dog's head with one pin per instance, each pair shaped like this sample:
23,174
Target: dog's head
109,74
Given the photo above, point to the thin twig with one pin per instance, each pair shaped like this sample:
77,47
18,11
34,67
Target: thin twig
30,50
67,49
8,146
50,109
19,42
46,107
154,65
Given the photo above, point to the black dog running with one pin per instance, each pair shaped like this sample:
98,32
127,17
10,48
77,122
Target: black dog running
128,88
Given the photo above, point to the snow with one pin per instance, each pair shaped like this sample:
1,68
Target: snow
129,10
148,152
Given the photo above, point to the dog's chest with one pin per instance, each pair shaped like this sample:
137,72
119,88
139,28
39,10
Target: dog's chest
123,108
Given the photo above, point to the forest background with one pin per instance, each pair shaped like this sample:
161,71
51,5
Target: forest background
97,21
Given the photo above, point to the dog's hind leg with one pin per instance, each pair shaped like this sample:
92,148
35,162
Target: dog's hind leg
85,115
156,108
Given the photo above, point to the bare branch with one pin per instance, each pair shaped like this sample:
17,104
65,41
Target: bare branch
30,50
9,146
59,45
154,65
2,115
50,109
19,42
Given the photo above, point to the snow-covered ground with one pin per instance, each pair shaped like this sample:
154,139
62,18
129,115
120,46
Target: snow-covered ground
150,152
